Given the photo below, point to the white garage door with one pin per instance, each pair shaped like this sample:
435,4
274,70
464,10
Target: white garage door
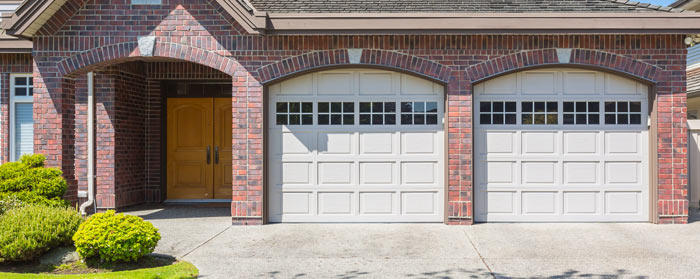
356,145
561,145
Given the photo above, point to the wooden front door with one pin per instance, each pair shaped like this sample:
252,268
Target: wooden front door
199,150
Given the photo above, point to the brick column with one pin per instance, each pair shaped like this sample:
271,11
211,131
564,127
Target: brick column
104,141
459,150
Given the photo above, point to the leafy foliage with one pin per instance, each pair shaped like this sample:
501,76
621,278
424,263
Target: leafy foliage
28,231
28,181
115,237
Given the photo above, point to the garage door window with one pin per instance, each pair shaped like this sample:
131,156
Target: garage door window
336,113
581,113
623,113
294,113
540,113
377,113
419,113
497,113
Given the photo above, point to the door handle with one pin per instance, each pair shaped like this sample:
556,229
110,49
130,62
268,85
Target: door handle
208,154
216,155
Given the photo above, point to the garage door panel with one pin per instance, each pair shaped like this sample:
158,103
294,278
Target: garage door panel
298,86
504,85
356,170
571,171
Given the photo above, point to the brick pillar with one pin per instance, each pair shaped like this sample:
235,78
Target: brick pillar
247,200
459,150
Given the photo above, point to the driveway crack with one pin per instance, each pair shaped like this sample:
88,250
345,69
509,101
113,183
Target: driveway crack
205,242
479,253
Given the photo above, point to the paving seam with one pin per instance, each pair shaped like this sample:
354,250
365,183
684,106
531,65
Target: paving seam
205,242
479,253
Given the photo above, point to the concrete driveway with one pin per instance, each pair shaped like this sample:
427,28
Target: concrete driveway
204,236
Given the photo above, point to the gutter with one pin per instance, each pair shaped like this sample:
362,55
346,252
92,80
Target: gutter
90,144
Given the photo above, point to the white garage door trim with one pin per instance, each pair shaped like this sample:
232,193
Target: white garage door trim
355,173
561,172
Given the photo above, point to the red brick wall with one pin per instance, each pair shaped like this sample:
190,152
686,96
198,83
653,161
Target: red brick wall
190,30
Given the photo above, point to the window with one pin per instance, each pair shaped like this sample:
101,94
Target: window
377,113
295,113
21,115
581,113
336,113
623,113
497,113
539,113
419,113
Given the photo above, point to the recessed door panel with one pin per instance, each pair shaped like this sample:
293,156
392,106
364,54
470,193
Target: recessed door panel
223,148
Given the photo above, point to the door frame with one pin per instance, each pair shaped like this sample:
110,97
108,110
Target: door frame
189,92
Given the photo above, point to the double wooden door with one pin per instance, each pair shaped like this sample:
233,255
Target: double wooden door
199,147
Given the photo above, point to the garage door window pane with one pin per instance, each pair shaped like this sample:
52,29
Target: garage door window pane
623,113
336,113
581,113
540,113
377,113
294,113
497,113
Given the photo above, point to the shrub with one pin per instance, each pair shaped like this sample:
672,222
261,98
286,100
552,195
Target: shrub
28,231
115,237
28,181
9,202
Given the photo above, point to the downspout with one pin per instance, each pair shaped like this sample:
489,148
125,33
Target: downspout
90,144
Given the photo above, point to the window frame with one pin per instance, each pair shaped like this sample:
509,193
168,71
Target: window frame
13,101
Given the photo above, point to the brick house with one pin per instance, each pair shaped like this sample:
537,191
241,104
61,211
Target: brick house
372,111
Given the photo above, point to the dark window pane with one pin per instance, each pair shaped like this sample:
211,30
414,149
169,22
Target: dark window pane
510,119
593,107
622,119
419,107
323,107
539,119
498,106
365,107
580,106
568,106
526,107
348,119
483,119
348,107
281,119
377,107
20,81
622,107
31,91
539,106
552,106
635,107
281,107
485,107
498,119
389,107
406,107
390,119
294,119
31,81
377,119
635,118
552,119
307,107
323,119
336,119
431,119
609,118
527,119
593,119
431,107
307,119
294,107
20,91
581,119
407,119
336,107
420,119
510,107
568,119
609,107
365,119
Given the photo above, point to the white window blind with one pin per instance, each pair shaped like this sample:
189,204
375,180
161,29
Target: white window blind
24,129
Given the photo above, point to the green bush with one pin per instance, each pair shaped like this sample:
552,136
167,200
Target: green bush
115,237
28,181
28,231
9,202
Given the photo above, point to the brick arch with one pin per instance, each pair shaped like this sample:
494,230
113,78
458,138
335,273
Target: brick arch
583,58
122,52
372,58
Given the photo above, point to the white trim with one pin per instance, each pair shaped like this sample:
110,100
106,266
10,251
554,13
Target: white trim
15,100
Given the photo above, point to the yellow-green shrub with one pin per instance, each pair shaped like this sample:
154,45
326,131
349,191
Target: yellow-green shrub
115,237
28,181
28,231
